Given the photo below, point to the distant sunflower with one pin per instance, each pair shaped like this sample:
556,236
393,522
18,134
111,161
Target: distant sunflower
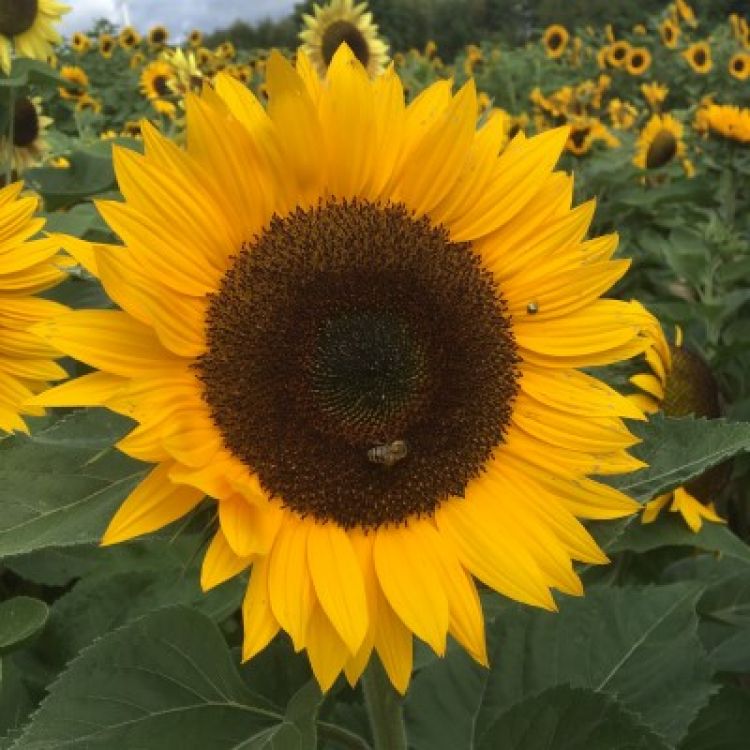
128,38
622,115
339,22
226,51
29,146
555,40
659,142
157,36
698,56
681,383
27,267
654,93
157,79
137,60
80,43
75,76
106,45
618,53
195,38
669,33
686,13
365,347
87,103
739,66
638,61
29,25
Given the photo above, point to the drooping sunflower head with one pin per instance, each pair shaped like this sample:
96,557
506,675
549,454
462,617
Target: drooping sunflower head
158,36
77,78
342,22
637,61
739,66
30,26
659,142
358,329
80,42
195,38
617,54
107,45
157,79
128,38
29,146
555,40
698,56
27,267
681,384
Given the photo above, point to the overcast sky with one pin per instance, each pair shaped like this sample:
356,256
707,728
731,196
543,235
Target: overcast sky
179,15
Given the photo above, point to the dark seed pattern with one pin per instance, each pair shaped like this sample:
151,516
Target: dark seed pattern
17,16
340,32
661,150
347,327
25,123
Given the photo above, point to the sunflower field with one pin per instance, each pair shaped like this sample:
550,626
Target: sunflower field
361,396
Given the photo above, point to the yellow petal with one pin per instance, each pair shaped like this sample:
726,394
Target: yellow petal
221,563
326,650
259,623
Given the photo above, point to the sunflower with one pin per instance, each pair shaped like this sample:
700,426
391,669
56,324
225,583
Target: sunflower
29,146
26,268
339,22
75,76
137,60
157,36
555,40
659,142
618,53
87,103
727,120
80,43
106,45
669,33
195,38
681,383
358,328
128,38
654,93
226,51
698,56
30,26
739,66
157,79
637,61
622,115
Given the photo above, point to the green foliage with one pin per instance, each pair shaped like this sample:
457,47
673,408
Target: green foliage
21,619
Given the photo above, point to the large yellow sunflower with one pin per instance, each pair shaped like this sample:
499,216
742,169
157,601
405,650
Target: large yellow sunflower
30,26
659,142
339,22
26,268
358,326
681,383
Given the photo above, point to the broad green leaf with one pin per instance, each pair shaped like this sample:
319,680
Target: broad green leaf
16,701
724,724
62,485
21,619
566,718
638,645
165,681
670,529
678,450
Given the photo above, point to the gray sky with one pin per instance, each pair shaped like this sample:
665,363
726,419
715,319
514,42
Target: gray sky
178,15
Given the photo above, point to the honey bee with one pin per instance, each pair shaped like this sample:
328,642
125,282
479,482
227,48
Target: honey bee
532,308
389,453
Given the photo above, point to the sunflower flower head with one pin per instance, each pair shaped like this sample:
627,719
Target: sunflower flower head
342,22
29,26
555,40
659,143
27,267
698,56
359,330
29,146
680,383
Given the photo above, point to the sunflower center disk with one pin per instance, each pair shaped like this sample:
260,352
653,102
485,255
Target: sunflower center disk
17,16
25,123
662,150
360,363
344,31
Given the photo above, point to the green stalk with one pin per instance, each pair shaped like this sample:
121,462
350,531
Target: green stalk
383,706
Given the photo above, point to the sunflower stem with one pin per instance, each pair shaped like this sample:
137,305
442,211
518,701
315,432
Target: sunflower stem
384,710
11,134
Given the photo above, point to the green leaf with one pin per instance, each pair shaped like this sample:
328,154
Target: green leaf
21,619
24,71
61,486
167,680
16,701
670,530
637,645
566,718
678,450
724,724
